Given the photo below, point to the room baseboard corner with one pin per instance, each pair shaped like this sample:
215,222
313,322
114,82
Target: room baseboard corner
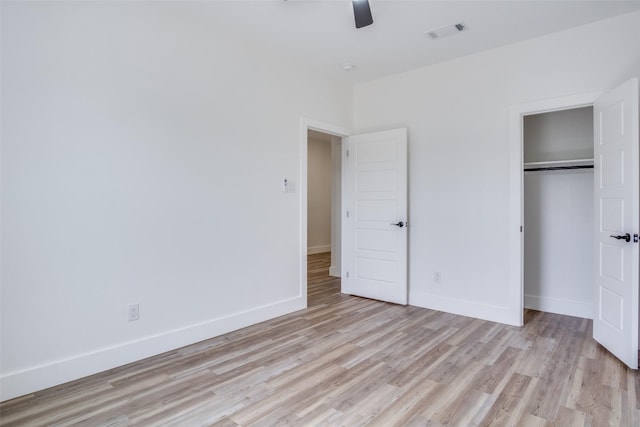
559,306
493,313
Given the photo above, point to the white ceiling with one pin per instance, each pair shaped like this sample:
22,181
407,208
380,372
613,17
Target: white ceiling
321,34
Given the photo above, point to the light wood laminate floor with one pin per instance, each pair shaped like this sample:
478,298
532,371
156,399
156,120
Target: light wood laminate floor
352,361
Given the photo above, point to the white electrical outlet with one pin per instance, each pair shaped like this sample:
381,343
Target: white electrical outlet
134,312
437,277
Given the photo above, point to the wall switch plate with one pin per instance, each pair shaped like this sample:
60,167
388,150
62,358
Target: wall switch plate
134,312
288,186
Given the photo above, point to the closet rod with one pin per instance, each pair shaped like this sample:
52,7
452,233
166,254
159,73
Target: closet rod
558,168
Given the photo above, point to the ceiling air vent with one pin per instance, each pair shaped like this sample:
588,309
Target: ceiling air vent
448,30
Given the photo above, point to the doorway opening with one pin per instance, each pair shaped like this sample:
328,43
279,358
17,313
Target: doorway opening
332,136
324,192
558,200
535,129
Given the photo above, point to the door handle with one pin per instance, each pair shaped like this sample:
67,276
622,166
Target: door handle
626,237
399,224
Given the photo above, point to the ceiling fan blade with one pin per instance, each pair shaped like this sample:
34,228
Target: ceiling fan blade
362,13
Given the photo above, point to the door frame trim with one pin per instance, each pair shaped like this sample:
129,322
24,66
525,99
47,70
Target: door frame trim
516,190
307,124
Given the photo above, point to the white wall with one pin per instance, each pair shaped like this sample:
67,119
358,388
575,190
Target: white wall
142,161
320,171
558,242
559,135
457,114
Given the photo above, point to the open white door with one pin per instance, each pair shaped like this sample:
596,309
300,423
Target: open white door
615,323
374,259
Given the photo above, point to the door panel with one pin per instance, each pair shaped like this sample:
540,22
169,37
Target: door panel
376,181
615,324
376,210
375,197
612,262
377,240
612,308
612,171
612,215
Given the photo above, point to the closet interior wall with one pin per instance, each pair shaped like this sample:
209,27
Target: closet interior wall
558,212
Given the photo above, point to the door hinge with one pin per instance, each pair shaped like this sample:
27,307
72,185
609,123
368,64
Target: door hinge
347,214
347,153
521,229
347,274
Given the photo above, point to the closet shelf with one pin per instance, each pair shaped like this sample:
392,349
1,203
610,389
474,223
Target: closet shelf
560,163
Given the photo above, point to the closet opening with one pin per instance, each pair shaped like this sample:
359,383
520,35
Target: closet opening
557,206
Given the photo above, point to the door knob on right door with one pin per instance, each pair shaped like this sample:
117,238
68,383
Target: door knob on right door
626,237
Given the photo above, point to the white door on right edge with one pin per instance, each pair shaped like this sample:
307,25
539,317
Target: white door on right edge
615,322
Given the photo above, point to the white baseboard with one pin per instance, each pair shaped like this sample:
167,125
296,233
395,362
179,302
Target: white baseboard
559,306
318,249
14,384
493,313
